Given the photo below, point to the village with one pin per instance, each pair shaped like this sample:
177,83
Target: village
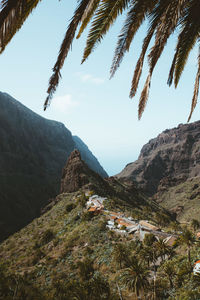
119,223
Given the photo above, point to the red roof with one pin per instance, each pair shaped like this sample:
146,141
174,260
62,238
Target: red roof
113,217
93,208
197,262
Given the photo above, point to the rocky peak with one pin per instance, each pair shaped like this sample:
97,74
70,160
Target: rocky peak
170,158
77,174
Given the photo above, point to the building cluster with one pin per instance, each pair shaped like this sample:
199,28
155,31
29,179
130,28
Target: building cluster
121,224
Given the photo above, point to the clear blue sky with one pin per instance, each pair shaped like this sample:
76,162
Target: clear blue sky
93,107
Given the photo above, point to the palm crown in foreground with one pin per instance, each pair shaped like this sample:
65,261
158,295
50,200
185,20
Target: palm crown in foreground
164,17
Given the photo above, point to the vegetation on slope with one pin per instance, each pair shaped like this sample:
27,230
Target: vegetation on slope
68,253
183,199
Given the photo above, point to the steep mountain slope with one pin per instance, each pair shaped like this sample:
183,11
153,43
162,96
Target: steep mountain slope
33,151
88,157
165,164
49,251
77,174
173,156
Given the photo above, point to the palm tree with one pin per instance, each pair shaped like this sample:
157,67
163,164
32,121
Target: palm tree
187,239
195,224
135,276
120,254
174,226
162,248
164,17
169,271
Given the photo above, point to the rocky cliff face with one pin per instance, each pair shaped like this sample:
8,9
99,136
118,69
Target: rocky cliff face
77,174
33,151
88,157
170,159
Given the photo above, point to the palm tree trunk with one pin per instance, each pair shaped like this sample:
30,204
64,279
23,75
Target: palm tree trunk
136,291
119,292
171,283
154,277
189,256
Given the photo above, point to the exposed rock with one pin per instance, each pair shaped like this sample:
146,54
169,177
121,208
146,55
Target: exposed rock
168,160
77,174
88,157
33,151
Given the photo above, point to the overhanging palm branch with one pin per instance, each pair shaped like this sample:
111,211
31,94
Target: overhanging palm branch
139,9
64,49
88,14
12,16
105,16
164,17
196,89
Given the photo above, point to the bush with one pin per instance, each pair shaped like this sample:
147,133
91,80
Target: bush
38,254
123,227
46,237
82,200
87,216
70,207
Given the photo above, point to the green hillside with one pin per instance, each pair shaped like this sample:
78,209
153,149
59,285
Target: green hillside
68,253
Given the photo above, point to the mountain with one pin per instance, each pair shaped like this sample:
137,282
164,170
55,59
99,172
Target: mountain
77,174
33,151
69,252
88,157
168,166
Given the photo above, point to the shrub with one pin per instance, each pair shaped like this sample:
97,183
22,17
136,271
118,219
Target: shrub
123,227
46,237
70,207
87,216
38,254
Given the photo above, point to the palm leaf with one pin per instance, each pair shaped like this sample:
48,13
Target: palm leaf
187,38
12,16
167,14
105,16
144,97
196,89
139,9
64,49
165,18
88,14
140,62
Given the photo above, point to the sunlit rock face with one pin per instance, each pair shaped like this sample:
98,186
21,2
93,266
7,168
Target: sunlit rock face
171,158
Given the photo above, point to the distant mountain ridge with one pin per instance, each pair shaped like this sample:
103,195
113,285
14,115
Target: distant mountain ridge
173,156
168,168
33,151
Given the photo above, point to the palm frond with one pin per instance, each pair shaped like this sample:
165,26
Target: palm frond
155,17
140,62
105,16
196,89
165,19
187,38
139,9
88,14
144,97
64,49
12,16
171,72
